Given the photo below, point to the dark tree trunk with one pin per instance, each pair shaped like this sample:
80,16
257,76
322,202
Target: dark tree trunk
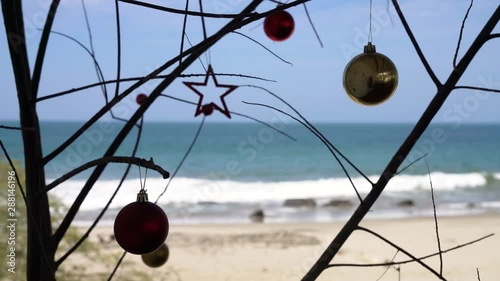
41,252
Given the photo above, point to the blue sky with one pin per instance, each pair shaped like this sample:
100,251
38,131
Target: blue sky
313,84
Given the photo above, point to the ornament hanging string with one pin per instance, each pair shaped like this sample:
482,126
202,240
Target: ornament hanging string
370,37
183,159
143,184
140,177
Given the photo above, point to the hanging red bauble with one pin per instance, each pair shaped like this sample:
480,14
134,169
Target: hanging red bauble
279,26
140,99
207,109
156,258
141,227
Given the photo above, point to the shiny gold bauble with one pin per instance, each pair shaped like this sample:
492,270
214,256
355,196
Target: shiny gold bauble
156,258
370,78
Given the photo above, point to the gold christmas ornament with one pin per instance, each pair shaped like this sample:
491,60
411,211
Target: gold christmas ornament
156,258
370,78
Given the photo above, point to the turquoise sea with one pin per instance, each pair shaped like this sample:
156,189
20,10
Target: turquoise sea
234,168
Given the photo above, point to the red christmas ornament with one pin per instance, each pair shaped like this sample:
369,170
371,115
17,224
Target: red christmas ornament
279,26
140,99
141,227
157,258
207,109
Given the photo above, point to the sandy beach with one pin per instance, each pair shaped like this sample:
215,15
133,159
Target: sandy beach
282,252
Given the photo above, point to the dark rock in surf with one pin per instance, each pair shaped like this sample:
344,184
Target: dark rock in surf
339,203
299,203
407,203
257,216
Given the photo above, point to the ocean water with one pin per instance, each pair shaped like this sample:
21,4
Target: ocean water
234,169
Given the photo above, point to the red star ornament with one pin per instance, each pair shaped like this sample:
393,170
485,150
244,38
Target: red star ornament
203,106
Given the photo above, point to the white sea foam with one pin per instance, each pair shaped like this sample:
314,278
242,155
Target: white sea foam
199,190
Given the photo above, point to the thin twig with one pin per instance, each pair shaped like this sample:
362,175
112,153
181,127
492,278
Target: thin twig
70,91
478,276
411,164
260,44
461,33
414,42
435,220
430,269
184,22
328,145
200,2
410,260
478,88
199,58
313,128
15,128
312,25
106,160
389,266
42,47
184,12
238,114
117,265
118,48
188,151
99,74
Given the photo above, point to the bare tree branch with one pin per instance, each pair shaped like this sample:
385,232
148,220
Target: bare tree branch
435,220
15,128
493,36
392,167
149,164
42,47
312,127
328,145
118,48
478,88
260,44
389,266
238,114
70,91
410,260
461,33
188,151
312,25
117,265
438,275
184,12
414,42
411,164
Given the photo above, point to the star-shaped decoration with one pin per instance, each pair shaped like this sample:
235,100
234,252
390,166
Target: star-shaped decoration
208,107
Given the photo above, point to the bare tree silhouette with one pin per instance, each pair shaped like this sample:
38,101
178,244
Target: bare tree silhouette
43,241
